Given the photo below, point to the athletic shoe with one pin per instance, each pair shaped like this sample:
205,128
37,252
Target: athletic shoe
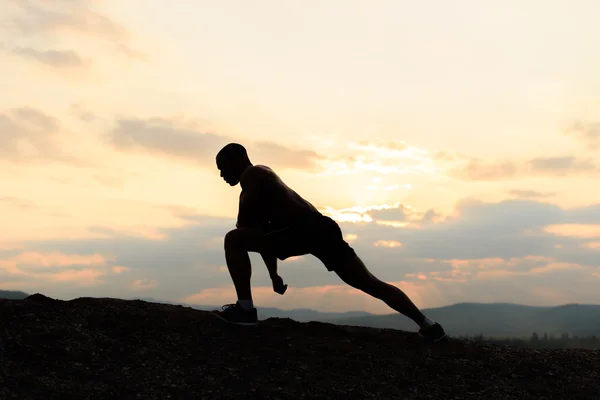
433,334
236,314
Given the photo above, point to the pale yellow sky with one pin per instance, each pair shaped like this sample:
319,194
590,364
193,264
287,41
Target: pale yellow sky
110,113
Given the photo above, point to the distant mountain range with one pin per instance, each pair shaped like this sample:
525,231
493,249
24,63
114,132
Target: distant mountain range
497,320
462,319
12,294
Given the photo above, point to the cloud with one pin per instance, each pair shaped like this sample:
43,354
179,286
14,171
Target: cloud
508,229
495,251
140,284
53,58
146,232
389,148
477,170
27,134
167,138
591,245
57,259
81,112
86,277
279,155
27,127
588,231
387,243
54,267
187,142
71,15
382,158
39,19
181,261
529,194
586,131
132,53
117,269
332,297
397,214
560,165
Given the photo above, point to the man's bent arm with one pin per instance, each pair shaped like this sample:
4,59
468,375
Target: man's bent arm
271,263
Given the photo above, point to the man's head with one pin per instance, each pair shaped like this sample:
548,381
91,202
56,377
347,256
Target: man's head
232,161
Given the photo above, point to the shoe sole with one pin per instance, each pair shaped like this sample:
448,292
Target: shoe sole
235,323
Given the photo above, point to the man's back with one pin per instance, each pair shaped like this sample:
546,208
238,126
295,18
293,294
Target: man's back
279,204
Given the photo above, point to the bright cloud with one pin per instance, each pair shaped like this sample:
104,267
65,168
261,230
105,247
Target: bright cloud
140,284
34,268
387,243
381,159
578,230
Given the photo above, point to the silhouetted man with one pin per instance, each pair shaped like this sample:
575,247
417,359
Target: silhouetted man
274,221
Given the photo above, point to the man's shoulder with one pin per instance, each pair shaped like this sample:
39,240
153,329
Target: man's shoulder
262,169
254,171
255,174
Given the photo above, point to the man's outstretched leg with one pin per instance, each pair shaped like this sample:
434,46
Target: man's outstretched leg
355,273
238,243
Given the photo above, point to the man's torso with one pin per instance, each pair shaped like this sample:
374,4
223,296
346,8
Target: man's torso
278,205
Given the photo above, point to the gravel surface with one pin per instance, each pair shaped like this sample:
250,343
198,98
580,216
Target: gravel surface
103,348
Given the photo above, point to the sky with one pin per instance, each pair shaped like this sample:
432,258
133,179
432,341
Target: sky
456,143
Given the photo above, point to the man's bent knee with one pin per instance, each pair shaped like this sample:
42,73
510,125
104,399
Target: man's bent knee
243,239
232,240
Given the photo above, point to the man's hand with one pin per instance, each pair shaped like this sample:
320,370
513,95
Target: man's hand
271,264
278,285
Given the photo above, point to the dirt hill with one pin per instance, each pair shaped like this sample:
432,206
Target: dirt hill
102,348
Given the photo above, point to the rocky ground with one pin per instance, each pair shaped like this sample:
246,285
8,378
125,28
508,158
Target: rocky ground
101,348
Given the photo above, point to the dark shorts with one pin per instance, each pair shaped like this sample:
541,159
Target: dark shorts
317,234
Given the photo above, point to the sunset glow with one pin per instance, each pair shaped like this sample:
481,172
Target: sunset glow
459,157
